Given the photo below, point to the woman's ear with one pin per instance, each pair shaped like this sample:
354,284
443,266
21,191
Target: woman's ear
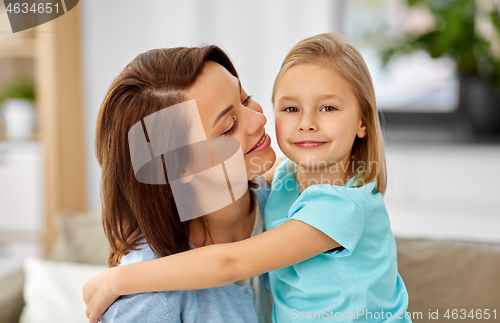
362,128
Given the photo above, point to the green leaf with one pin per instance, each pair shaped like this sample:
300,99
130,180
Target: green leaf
18,89
455,35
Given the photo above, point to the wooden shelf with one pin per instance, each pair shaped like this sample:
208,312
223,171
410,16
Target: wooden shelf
20,44
56,52
18,48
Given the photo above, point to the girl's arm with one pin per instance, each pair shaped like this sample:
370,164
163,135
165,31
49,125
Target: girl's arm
206,267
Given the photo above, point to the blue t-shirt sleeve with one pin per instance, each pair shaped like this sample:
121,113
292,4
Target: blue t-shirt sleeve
154,307
332,210
144,308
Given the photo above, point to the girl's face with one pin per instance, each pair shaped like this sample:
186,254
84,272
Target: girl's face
226,110
317,116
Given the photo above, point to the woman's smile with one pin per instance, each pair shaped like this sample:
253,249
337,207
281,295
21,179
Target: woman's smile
262,144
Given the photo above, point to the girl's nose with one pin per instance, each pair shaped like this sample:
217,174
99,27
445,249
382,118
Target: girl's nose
308,129
307,124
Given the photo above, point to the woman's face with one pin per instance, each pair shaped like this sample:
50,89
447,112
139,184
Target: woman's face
227,111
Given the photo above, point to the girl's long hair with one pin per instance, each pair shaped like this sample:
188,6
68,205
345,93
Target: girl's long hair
132,211
331,50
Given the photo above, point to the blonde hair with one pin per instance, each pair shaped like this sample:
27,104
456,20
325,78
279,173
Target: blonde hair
331,50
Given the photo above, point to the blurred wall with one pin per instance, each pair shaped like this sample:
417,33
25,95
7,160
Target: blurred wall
256,34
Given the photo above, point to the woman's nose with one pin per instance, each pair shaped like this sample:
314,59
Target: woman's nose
256,120
255,106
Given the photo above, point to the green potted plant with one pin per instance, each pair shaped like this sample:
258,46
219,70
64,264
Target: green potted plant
458,32
17,110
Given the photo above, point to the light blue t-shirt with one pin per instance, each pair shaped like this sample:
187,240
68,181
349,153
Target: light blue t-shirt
359,283
246,301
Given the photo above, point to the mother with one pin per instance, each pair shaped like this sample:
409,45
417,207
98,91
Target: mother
141,221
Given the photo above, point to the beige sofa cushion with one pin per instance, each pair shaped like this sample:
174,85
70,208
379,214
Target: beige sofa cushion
53,290
80,238
442,275
11,297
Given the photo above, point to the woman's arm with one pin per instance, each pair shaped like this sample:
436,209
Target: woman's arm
211,266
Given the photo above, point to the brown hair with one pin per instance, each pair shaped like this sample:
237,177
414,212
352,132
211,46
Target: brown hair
331,50
132,211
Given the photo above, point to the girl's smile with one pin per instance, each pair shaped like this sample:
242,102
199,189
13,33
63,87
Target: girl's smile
309,143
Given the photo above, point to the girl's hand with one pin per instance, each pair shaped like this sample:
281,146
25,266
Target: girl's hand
98,296
268,176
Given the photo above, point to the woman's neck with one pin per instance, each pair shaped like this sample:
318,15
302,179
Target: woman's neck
232,223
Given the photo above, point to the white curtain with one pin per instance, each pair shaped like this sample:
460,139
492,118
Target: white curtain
256,34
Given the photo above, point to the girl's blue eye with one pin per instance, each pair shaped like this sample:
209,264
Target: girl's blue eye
233,128
291,109
328,108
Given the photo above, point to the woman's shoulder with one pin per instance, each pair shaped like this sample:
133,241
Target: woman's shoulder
142,253
205,305
159,306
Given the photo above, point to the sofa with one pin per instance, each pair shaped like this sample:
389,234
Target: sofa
443,278
49,289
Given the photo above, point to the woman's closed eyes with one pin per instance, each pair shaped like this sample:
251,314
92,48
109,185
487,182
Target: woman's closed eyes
229,132
235,120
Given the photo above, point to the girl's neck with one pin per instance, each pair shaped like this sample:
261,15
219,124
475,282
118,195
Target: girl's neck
233,223
335,173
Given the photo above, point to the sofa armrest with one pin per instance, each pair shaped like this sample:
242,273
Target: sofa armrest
447,275
11,297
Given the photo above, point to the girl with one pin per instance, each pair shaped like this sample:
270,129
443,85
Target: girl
329,247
